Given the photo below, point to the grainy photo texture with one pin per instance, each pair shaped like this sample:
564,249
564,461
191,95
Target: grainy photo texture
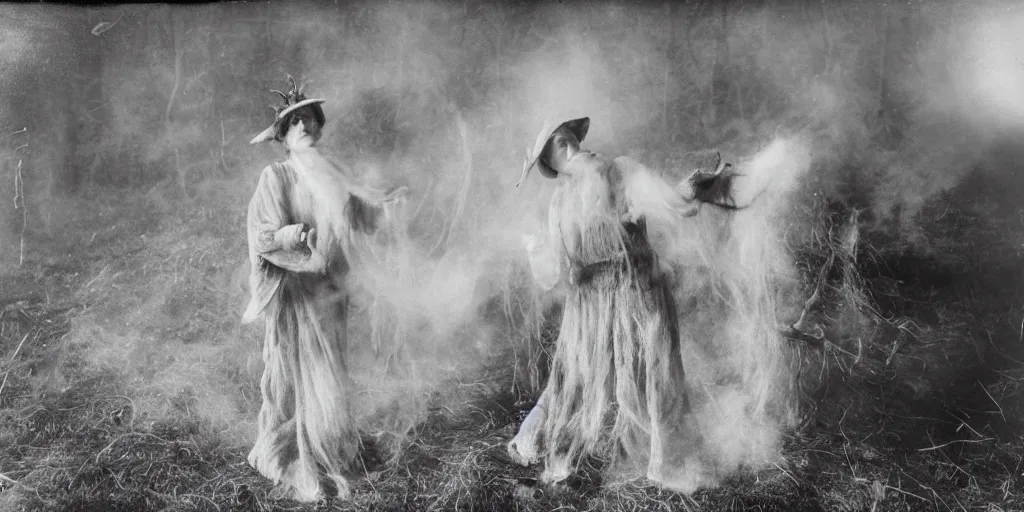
477,255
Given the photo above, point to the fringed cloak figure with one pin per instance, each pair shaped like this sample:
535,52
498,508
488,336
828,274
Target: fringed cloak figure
617,367
303,221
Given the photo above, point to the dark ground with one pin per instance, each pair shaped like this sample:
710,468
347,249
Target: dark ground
927,416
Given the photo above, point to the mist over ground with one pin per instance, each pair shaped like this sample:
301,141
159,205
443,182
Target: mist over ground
127,172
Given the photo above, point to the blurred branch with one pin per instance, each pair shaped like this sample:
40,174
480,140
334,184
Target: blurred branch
720,81
177,169
23,130
827,34
192,81
671,54
223,142
104,26
10,363
101,105
460,204
697,11
178,54
19,193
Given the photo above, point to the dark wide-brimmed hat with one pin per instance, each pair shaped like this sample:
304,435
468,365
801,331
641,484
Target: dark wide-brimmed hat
541,154
293,101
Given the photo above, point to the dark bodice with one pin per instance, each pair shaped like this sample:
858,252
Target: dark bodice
639,261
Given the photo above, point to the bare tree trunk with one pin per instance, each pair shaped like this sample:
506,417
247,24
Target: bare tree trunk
177,49
465,15
719,78
670,57
883,73
213,59
79,58
891,103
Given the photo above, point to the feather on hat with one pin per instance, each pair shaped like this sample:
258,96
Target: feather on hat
293,101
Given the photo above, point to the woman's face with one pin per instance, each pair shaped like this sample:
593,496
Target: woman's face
302,128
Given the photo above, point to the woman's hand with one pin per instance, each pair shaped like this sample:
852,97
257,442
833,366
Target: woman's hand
317,263
310,239
686,190
715,187
290,238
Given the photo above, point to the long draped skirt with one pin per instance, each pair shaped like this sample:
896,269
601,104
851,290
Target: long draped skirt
305,438
618,358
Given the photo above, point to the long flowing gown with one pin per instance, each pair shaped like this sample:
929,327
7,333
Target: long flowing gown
617,360
305,436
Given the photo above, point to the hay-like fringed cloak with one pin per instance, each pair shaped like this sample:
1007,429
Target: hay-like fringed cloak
305,437
617,356
617,360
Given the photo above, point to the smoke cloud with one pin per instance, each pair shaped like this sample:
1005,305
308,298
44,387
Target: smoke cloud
444,98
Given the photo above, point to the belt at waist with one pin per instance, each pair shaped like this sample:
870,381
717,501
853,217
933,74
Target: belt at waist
607,271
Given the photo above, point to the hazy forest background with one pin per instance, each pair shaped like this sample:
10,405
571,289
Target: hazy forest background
127,382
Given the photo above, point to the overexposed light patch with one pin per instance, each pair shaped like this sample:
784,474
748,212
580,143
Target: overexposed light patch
15,48
993,65
560,85
573,77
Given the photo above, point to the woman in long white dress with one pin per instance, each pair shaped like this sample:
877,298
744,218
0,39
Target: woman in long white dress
303,220
617,360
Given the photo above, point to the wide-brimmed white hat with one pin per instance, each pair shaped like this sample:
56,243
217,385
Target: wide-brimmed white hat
577,127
